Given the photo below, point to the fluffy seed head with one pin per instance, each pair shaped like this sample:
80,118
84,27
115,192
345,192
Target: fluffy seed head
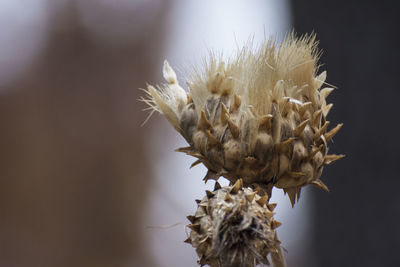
260,116
234,226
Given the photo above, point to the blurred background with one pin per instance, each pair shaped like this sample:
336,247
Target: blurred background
83,184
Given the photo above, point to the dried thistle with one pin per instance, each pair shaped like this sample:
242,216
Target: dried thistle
258,120
260,117
234,227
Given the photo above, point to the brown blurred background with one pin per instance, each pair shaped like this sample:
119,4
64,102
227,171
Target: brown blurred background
73,176
81,181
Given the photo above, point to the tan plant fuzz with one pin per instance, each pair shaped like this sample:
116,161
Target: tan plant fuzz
233,226
260,117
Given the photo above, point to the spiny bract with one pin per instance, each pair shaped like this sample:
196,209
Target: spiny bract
260,117
233,226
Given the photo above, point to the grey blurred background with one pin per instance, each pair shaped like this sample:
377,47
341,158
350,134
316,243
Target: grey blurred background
82,184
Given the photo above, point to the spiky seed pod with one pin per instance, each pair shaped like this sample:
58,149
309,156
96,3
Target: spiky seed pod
234,226
261,117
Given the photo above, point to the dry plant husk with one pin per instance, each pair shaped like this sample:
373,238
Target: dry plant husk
233,226
261,116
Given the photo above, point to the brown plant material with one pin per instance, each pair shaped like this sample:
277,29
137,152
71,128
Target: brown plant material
233,226
260,117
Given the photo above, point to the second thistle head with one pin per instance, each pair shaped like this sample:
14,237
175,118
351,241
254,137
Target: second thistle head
234,227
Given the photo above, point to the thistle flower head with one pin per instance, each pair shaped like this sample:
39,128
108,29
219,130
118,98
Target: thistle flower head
234,226
260,116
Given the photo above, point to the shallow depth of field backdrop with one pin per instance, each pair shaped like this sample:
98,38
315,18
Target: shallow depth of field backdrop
82,184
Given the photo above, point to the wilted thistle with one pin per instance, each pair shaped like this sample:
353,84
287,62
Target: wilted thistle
259,117
234,226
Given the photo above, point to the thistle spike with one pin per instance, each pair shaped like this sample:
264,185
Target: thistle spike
184,149
196,155
271,206
195,227
188,240
197,162
263,200
317,118
322,130
303,108
204,123
265,122
320,79
320,184
324,93
332,158
269,214
300,128
224,114
217,186
210,194
326,109
235,131
298,193
212,140
210,176
237,186
275,224
169,74
228,197
282,146
191,218
284,106
314,151
291,191
251,196
236,104
328,136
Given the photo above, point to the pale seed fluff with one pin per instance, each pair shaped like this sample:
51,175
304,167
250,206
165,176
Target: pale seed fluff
259,116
